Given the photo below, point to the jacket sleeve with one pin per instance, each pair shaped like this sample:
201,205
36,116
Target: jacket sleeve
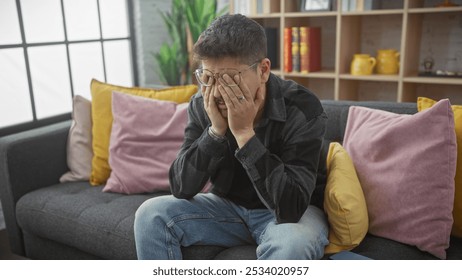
199,156
286,182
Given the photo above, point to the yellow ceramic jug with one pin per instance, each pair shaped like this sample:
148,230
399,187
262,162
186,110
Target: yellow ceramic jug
387,61
362,64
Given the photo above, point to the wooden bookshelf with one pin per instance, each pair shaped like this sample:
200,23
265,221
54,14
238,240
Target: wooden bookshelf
416,28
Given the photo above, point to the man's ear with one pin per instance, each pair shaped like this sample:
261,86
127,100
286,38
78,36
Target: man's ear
265,69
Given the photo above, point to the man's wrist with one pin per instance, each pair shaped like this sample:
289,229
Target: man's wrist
244,138
216,136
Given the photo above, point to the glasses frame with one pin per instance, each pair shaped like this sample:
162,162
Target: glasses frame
215,76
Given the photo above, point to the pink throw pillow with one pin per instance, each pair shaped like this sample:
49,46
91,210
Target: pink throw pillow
145,139
406,165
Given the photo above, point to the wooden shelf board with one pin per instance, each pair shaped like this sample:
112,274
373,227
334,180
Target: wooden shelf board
373,77
263,16
373,12
433,80
276,72
311,14
326,74
434,10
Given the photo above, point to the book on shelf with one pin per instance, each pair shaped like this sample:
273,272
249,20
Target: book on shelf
272,43
310,49
252,7
360,5
295,49
367,5
245,7
265,6
287,49
345,5
260,6
302,49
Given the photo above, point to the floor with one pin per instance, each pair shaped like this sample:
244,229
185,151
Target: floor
5,252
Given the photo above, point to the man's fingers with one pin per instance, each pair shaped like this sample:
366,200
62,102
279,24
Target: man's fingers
232,94
206,94
228,96
245,91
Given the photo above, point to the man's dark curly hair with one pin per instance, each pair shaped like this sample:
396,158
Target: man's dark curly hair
234,36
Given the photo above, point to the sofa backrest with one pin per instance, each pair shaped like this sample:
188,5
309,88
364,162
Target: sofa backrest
337,111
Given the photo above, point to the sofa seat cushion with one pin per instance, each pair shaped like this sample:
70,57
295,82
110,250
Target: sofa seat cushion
244,252
374,247
82,216
380,248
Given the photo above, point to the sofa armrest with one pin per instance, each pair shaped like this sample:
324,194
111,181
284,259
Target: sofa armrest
28,161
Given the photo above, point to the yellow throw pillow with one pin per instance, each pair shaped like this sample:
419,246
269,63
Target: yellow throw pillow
425,103
101,109
344,202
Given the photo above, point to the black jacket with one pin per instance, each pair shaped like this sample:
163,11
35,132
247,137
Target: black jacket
276,169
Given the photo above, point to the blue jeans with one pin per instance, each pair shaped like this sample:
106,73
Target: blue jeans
164,224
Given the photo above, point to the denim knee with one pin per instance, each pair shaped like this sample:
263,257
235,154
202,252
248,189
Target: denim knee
146,215
150,229
303,240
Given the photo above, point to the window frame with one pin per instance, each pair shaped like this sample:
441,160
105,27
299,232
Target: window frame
36,123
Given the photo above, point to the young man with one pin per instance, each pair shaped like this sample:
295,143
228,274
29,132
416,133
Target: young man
257,138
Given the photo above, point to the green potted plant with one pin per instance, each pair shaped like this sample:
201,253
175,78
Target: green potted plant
185,22
172,58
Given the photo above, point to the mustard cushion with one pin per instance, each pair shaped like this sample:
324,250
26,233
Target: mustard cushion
101,110
344,202
425,103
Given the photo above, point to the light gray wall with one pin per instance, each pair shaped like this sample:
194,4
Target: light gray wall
150,34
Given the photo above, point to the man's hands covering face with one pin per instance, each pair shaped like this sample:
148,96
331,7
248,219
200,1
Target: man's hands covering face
219,123
242,108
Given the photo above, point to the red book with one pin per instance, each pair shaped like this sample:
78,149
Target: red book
310,49
287,49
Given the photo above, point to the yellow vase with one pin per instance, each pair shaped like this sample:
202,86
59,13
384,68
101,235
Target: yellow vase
387,61
362,64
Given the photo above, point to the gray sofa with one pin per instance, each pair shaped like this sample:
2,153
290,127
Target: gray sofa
49,220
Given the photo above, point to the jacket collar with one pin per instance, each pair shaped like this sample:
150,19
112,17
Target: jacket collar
275,108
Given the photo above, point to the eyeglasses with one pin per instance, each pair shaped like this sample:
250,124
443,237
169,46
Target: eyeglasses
207,78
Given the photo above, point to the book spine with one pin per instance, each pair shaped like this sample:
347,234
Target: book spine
304,58
253,7
359,5
371,5
310,49
260,6
287,49
242,7
295,49
266,6
272,46
345,5
314,49
352,5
